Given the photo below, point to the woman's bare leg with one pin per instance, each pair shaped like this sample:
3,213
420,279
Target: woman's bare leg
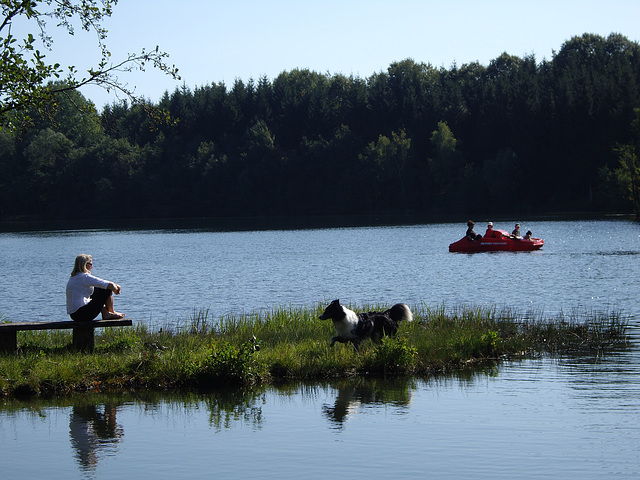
108,313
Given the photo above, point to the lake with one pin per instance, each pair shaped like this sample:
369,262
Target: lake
537,418
166,275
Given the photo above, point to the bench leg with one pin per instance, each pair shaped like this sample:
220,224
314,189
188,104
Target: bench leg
9,341
83,338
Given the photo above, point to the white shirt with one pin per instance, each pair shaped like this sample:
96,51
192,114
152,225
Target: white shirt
80,289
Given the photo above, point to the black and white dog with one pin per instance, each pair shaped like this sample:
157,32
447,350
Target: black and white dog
356,327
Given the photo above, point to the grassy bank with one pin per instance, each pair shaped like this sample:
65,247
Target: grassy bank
290,344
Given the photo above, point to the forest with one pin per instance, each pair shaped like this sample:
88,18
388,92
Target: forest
515,136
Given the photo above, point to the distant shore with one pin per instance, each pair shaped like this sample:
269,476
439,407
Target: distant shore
33,224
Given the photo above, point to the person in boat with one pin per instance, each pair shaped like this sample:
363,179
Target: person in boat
87,295
491,233
516,233
528,235
471,235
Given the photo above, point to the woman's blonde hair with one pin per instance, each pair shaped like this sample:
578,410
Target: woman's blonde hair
80,265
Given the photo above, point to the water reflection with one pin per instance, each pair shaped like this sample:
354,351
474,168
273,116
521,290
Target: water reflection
228,407
571,417
355,394
94,433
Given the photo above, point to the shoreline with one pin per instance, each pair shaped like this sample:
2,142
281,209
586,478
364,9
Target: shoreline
261,223
292,344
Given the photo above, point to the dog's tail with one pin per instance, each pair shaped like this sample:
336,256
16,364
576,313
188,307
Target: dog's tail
400,312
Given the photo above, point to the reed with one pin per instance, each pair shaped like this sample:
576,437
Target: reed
291,343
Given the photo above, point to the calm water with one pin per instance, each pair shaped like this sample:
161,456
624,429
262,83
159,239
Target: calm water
540,418
166,275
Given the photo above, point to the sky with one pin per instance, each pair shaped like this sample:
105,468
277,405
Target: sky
220,41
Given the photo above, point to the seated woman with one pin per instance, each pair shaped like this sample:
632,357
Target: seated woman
471,235
87,296
528,235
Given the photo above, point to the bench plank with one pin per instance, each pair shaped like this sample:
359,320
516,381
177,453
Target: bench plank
66,324
83,338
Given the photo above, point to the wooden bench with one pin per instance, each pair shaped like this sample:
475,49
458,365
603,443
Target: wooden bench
82,331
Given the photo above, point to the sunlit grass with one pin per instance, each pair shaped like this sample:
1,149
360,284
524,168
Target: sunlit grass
291,343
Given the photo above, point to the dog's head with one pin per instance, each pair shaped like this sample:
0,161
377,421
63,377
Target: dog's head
333,312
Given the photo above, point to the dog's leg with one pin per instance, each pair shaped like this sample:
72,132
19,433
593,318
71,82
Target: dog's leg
337,338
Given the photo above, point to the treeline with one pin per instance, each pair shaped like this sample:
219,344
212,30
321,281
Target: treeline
517,135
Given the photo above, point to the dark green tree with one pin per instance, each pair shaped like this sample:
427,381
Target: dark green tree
628,173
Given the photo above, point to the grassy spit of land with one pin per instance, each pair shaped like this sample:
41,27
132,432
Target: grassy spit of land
291,343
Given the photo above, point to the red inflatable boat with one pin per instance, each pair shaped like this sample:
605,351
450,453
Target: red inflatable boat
501,242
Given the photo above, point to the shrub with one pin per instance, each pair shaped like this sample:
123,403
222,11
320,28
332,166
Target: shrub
393,355
228,364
